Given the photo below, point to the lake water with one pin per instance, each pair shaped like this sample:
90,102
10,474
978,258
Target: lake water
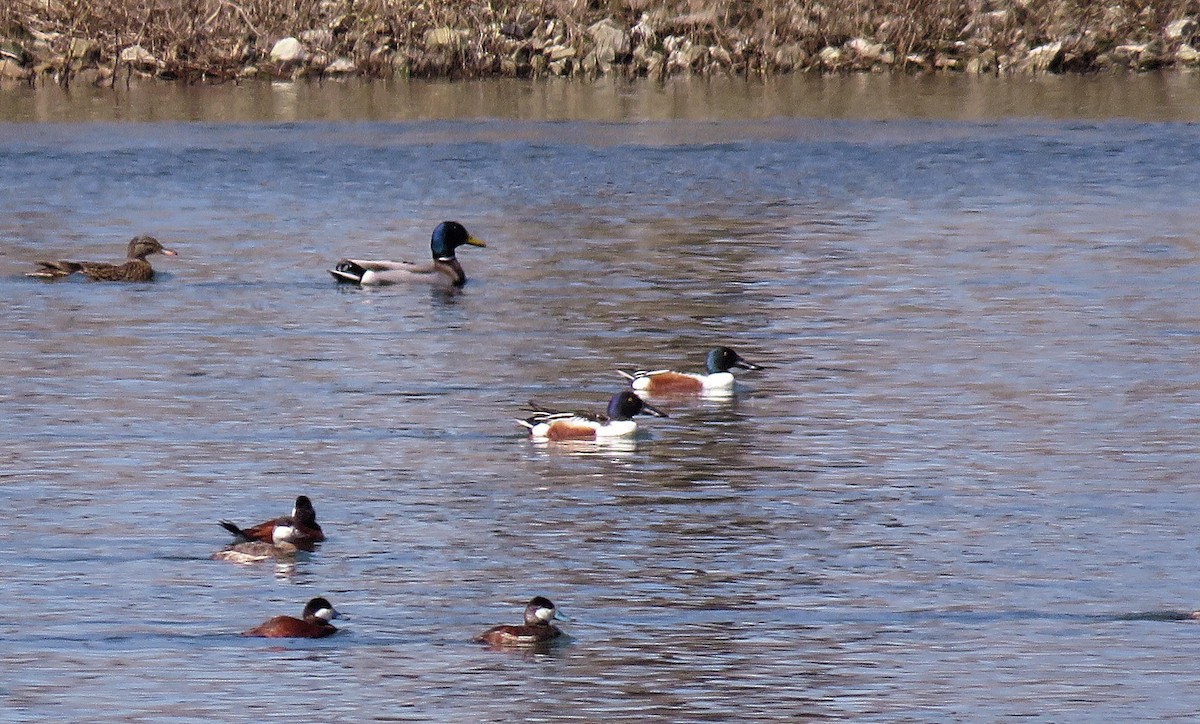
964,488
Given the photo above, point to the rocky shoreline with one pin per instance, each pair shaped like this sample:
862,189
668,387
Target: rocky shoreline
51,41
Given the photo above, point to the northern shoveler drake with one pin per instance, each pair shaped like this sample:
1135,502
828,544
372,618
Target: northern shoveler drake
300,528
444,271
719,379
547,424
537,629
135,268
314,624
255,551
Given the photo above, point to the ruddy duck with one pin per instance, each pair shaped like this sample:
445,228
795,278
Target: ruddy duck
444,271
300,528
314,624
547,424
718,381
135,268
537,629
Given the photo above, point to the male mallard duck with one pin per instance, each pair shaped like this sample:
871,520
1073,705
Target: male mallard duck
537,628
314,624
719,379
547,424
135,268
299,529
444,271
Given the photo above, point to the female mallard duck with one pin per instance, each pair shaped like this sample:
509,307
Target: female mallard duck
537,629
718,381
444,271
135,268
547,424
314,624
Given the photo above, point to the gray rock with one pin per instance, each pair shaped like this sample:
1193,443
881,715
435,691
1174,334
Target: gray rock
341,66
449,38
12,70
790,57
720,56
985,62
83,51
14,52
1041,58
559,52
865,49
319,37
830,57
1129,55
610,40
139,57
287,50
686,56
1181,30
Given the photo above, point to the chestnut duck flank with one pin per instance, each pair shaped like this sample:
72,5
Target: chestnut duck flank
299,529
537,629
314,623
718,380
549,424
134,269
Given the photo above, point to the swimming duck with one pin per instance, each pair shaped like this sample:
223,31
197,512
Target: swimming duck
254,551
444,271
547,424
537,629
299,529
135,268
314,624
719,379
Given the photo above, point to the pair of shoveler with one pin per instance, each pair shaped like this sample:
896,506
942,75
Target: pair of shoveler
445,270
283,536
617,422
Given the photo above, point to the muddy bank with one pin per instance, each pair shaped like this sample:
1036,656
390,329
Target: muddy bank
110,41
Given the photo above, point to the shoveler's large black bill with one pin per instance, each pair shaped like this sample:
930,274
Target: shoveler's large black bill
647,407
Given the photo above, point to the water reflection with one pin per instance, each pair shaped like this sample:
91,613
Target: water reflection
614,447
1146,96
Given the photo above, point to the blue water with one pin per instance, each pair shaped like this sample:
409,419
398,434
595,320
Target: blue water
964,488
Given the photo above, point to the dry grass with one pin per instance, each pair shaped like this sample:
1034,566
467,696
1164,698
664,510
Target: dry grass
216,39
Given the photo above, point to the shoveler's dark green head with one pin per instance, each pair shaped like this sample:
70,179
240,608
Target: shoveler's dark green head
448,236
723,359
625,405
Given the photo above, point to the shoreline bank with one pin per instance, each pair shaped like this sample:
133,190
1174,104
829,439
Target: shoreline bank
51,41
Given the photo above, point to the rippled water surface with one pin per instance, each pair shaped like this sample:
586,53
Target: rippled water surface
964,488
